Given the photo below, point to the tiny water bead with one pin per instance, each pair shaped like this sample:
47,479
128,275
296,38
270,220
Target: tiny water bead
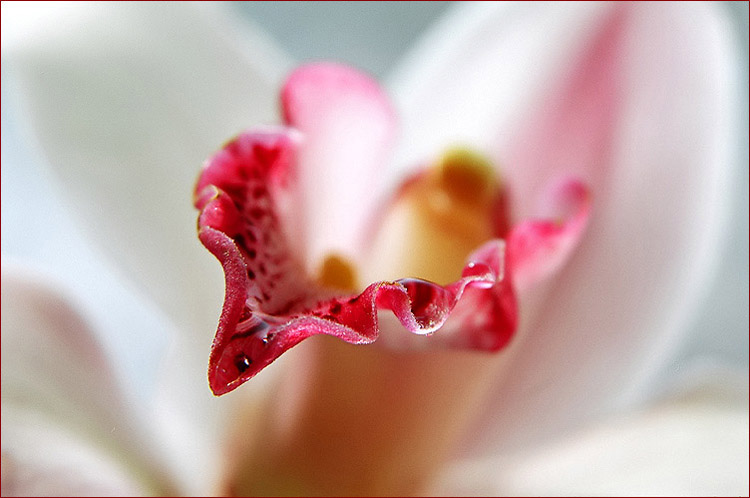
482,270
427,301
242,362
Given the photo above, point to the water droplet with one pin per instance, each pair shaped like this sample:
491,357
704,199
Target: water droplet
429,301
475,269
242,362
420,292
267,338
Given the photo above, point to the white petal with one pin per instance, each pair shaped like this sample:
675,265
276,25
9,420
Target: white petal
659,212
126,101
693,444
67,427
42,459
472,78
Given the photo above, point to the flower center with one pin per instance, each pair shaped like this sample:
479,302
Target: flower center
337,273
437,219
468,177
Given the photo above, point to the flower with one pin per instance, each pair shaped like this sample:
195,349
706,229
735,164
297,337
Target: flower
83,117
262,193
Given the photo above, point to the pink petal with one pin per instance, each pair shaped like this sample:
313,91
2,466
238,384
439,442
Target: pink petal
474,79
240,194
348,130
271,304
571,130
484,318
539,247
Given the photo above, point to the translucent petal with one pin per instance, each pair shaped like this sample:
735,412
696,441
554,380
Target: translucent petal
67,427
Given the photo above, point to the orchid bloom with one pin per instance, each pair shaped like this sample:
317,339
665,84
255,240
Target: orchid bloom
315,179
514,244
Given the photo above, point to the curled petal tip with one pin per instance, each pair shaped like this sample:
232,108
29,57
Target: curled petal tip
539,247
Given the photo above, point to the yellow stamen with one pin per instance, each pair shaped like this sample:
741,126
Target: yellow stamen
337,273
438,220
467,176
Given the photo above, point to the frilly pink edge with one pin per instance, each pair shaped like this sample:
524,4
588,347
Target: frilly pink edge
239,226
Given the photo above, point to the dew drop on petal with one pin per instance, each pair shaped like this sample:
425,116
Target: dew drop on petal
475,269
242,362
428,301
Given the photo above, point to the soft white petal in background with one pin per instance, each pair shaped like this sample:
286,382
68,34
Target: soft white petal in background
42,459
120,104
659,217
472,76
126,107
67,428
694,442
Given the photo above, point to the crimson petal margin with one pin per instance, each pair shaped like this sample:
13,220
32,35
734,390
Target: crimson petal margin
540,246
271,304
